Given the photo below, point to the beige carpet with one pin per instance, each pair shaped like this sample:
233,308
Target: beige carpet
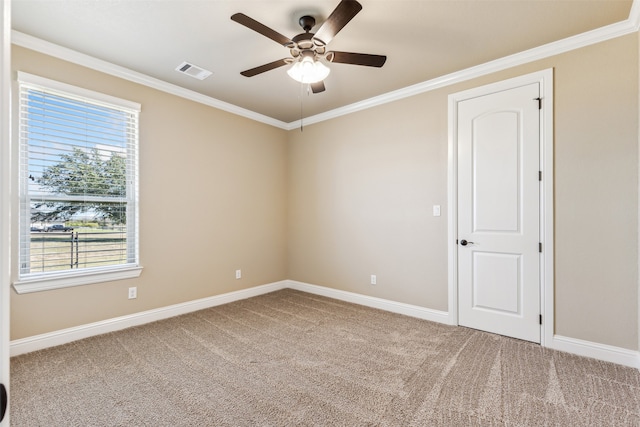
294,359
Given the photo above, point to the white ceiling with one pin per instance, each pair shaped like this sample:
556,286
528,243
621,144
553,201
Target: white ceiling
423,40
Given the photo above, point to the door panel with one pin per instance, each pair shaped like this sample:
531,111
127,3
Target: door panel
499,212
497,282
495,190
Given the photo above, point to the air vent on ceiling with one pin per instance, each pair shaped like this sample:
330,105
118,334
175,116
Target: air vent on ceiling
193,71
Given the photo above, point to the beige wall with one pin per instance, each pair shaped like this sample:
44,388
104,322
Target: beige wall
362,188
352,197
212,200
361,192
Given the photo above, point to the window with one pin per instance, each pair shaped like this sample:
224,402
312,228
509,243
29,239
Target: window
78,186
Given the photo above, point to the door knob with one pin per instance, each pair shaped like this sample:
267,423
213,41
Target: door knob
465,243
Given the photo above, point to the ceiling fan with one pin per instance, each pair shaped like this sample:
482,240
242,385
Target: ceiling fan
309,49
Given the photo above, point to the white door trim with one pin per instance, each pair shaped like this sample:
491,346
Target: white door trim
5,192
545,79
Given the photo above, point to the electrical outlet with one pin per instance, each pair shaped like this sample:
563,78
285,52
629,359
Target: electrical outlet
238,274
374,280
133,293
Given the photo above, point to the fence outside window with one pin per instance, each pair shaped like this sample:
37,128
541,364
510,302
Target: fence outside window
60,250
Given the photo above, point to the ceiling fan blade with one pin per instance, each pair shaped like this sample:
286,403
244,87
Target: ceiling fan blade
317,87
358,59
256,26
342,14
266,67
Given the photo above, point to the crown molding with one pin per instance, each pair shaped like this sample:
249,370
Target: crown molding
634,15
51,49
630,25
609,32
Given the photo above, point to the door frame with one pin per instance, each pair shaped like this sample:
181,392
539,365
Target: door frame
545,79
5,192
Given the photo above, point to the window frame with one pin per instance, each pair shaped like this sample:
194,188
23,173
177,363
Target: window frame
40,281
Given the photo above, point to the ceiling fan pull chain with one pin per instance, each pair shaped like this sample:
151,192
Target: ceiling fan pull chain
301,110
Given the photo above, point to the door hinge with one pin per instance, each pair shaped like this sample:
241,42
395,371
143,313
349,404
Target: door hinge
539,102
539,175
540,319
540,247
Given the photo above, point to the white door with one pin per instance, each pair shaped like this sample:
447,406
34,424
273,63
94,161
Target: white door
499,212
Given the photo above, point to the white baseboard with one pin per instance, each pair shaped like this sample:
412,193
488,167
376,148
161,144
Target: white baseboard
63,336
594,350
579,347
383,304
607,353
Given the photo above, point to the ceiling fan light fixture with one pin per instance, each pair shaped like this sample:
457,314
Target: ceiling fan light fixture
308,70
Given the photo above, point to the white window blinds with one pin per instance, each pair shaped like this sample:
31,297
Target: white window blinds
78,178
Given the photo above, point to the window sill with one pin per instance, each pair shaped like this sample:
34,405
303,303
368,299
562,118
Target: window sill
51,281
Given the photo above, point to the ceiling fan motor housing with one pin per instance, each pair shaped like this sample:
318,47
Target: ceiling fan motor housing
304,44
